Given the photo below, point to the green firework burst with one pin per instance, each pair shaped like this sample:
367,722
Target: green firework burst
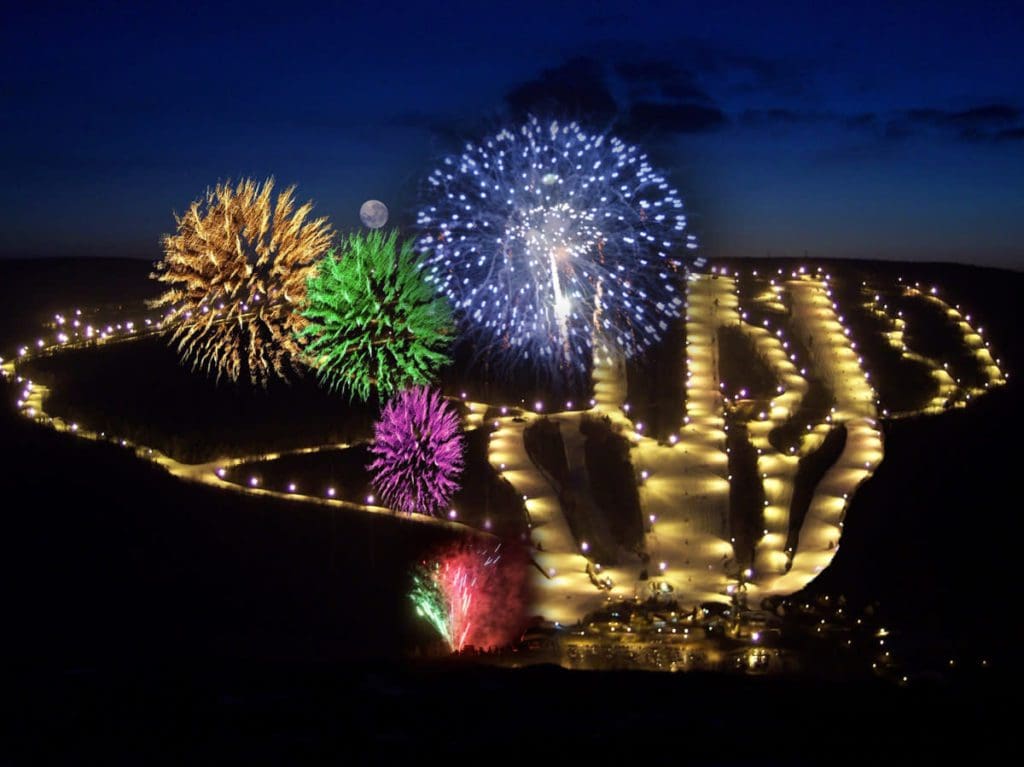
373,322
430,604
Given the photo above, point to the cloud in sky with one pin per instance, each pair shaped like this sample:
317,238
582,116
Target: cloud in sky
676,118
577,88
986,122
661,79
660,98
710,90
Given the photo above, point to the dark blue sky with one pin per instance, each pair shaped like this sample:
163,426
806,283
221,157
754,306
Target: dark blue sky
892,133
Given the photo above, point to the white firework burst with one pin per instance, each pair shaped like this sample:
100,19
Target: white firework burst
549,240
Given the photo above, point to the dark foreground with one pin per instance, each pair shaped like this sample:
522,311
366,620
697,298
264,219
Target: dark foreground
145,620
292,713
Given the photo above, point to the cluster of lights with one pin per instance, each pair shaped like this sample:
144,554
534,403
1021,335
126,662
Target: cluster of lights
972,338
776,474
765,420
946,386
77,332
771,336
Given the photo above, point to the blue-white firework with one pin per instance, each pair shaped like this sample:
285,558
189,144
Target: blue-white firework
550,240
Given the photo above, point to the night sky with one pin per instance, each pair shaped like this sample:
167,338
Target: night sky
787,127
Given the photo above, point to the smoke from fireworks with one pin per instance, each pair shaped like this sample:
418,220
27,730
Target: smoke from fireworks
472,594
548,239
418,449
235,268
374,323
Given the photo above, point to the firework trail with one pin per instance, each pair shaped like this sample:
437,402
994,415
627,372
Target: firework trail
548,239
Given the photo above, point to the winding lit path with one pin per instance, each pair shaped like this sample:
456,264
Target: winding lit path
684,483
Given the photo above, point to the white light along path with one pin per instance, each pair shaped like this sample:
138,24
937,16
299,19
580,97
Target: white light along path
776,471
945,386
972,338
816,314
684,486
684,493
565,591
32,404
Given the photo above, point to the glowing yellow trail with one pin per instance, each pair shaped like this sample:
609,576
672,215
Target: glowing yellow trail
815,313
684,484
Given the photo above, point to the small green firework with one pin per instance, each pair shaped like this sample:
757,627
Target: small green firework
430,603
374,323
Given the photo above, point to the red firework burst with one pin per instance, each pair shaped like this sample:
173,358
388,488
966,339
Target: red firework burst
481,594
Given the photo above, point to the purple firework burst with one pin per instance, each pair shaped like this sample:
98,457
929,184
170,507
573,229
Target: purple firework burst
418,449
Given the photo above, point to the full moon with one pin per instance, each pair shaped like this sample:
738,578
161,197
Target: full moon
374,214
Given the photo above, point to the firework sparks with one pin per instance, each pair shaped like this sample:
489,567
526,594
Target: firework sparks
374,323
548,239
470,595
430,603
419,452
235,268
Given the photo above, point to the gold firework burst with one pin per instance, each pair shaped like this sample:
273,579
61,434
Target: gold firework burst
236,267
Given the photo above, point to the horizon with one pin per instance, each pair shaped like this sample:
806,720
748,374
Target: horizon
810,258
